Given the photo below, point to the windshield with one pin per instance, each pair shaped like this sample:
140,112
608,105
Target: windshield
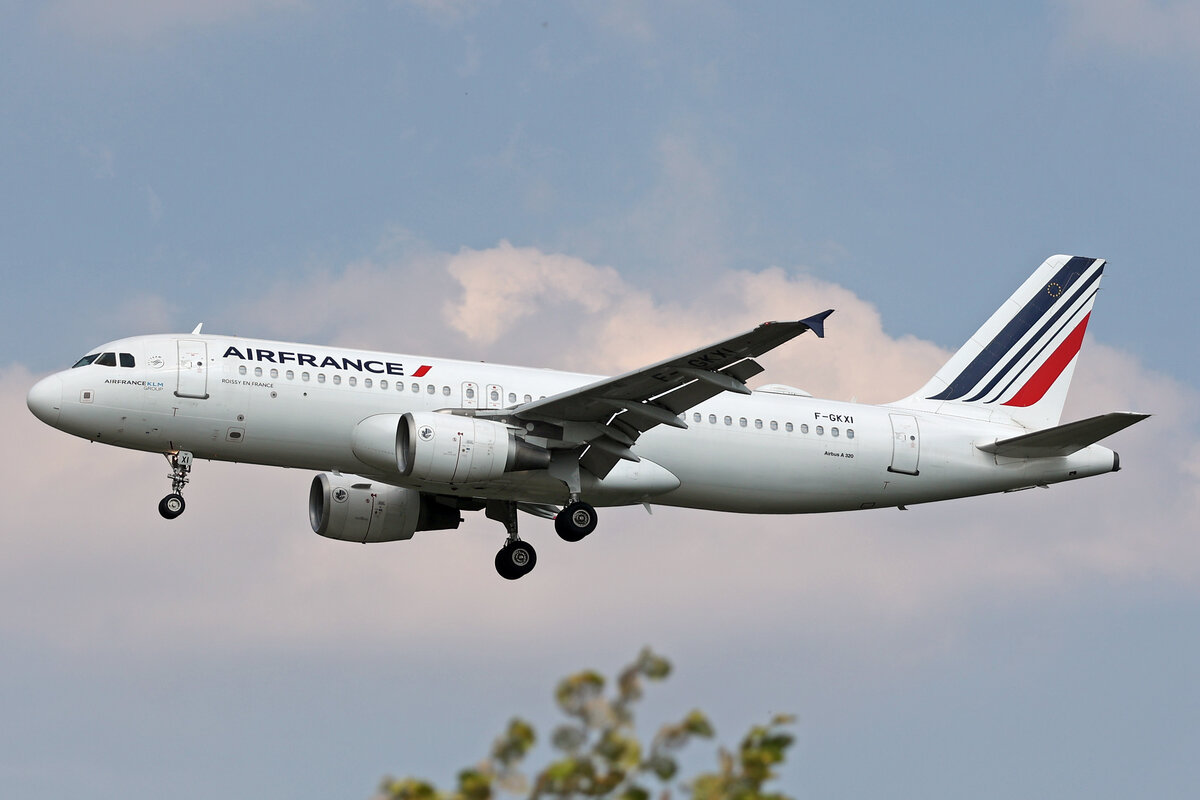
83,362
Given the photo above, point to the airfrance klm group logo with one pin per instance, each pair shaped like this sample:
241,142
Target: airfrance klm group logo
1022,361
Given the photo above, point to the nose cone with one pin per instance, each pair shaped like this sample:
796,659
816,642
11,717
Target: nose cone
45,399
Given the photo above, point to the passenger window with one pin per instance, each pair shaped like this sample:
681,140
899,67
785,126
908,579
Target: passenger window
494,396
758,424
696,417
383,384
849,433
788,427
337,380
528,399
83,362
107,360
742,422
834,432
320,377
804,427
820,430
367,382
470,392
258,372
126,360
512,398
445,391
712,419
242,369
304,376
291,376
774,425
274,372
728,420
430,389
416,388
353,380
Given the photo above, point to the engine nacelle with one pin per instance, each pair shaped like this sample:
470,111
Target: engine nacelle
353,509
447,448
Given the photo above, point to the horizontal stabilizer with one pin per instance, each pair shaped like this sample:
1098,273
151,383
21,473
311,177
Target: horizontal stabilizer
1062,440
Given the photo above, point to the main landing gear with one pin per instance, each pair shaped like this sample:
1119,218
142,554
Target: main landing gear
172,505
575,521
517,558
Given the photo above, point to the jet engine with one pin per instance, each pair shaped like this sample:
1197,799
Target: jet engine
444,448
353,509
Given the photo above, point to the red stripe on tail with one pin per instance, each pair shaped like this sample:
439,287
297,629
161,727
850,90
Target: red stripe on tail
1037,386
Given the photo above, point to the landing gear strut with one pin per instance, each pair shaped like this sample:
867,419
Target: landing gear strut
172,505
517,558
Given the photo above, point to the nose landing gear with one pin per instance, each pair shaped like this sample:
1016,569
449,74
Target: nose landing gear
172,505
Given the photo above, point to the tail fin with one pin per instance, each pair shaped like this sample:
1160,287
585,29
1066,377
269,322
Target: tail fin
1018,366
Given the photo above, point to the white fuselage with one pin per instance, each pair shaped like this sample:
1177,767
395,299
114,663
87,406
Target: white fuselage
294,405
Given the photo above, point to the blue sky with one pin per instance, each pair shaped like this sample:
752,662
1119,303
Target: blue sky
590,186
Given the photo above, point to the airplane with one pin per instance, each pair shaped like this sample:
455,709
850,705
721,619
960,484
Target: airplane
406,443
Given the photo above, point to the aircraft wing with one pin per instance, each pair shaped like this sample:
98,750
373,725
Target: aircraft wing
608,416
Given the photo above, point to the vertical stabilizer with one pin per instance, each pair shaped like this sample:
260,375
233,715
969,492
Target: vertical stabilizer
1018,366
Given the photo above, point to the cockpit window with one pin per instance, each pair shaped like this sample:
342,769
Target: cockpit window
126,359
107,360
83,362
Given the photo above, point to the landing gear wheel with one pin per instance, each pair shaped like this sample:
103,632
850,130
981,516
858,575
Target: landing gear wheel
575,521
171,506
515,560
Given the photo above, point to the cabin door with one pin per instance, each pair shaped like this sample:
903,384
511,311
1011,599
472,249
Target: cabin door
193,369
906,444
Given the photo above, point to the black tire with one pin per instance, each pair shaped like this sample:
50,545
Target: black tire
515,560
575,521
171,506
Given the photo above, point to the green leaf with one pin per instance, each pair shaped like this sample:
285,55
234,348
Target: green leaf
697,724
408,789
568,738
474,785
514,743
653,666
576,691
619,750
664,767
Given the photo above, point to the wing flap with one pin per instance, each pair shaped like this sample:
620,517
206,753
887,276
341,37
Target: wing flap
1062,440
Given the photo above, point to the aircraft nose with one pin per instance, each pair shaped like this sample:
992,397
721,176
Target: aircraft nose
45,399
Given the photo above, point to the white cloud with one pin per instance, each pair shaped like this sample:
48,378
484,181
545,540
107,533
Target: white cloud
1149,29
90,565
139,20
